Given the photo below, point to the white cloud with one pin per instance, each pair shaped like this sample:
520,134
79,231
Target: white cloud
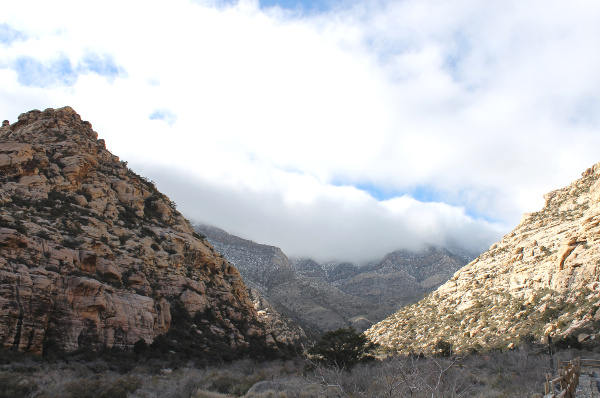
486,106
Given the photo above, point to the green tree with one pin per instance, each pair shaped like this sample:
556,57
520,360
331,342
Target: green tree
343,348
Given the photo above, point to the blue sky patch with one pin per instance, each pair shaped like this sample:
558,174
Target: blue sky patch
378,192
461,48
33,73
165,115
9,35
317,5
60,71
310,6
381,193
422,193
103,65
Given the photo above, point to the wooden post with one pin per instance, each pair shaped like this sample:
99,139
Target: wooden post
551,356
564,383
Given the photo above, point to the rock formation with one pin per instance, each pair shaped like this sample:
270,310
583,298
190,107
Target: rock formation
325,296
312,303
540,279
400,278
92,254
285,331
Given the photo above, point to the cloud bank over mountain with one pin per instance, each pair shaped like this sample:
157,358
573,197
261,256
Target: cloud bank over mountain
336,131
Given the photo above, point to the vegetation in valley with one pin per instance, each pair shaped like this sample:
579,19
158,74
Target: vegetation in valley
144,373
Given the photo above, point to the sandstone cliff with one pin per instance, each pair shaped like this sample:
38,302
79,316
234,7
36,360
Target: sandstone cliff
92,254
540,279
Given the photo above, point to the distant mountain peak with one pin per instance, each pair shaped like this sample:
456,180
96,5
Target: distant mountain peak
322,296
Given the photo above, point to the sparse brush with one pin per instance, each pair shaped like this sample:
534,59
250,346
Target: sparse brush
209,394
507,373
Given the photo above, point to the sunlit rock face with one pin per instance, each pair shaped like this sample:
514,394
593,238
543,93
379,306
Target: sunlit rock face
540,279
92,254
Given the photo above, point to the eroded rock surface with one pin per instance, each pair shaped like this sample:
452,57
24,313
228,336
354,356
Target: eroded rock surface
542,278
91,254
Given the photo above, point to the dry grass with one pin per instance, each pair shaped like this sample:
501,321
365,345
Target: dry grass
516,373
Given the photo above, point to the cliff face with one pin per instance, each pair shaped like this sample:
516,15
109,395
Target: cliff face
91,254
540,279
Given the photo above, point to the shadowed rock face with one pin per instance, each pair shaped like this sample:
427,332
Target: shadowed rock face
91,254
264,269
540,279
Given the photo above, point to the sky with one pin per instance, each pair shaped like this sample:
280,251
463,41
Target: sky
337,130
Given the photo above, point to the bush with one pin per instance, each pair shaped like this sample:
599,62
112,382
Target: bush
12,386
443,348
343,348
569,341
102,388
140,347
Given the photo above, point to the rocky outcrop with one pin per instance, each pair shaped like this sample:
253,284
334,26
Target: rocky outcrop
283,330
542,278
92,254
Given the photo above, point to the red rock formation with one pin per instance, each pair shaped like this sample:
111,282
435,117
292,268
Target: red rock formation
91,254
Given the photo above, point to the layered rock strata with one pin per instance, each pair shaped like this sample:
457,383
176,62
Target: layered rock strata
92,254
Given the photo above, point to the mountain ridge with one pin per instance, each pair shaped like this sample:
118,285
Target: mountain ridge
325,296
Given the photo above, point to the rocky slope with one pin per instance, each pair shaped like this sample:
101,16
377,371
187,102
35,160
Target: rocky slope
542,278
92,254
304,305
262,267
326,296
285,331
312,303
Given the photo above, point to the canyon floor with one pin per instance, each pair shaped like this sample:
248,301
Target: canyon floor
509,373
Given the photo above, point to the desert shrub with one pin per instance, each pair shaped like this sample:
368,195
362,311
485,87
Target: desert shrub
13,385
123,239
140,347
44,235
102,388
342,348
234,384
566,342
224,384
209,394
549,314
443,348
528,339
